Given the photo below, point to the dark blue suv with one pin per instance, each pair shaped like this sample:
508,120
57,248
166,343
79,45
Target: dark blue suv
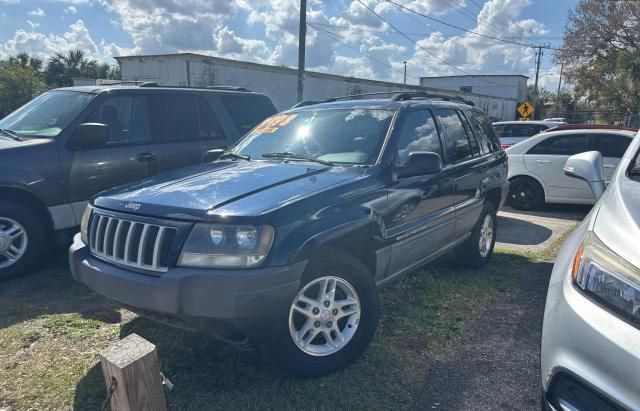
286,237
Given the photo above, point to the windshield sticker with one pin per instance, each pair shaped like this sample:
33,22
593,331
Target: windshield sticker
272,124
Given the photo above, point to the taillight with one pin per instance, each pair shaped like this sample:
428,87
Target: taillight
505,146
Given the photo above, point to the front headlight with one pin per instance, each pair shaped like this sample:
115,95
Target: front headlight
607,278
84,223
226,246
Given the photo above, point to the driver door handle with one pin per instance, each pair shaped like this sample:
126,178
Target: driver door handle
143,157
543,161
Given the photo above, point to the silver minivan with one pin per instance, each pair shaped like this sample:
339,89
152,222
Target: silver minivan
591,334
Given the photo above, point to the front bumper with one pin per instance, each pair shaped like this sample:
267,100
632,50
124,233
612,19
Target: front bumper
230,304
588,354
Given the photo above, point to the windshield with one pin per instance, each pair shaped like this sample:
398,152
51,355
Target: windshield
46,115
352,136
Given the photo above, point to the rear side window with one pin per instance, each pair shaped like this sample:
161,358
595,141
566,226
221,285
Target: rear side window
174,117
127,118
609,145
210,128
418,133
483,129
561,145
248,111
457,139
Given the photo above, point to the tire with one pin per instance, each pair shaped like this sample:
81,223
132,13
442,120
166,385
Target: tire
473,253
320,358
14,217
525,194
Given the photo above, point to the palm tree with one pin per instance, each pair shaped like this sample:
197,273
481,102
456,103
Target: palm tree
63,67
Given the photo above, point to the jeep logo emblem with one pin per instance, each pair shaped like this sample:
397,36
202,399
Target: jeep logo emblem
132,206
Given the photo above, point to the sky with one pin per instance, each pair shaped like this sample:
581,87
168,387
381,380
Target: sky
343,36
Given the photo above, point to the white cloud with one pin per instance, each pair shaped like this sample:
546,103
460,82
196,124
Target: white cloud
37,12
70,10
10,1
32,24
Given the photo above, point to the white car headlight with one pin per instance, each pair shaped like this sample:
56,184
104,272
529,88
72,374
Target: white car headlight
84,223
607,278
226,246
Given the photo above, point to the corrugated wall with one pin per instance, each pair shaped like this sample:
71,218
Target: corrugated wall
278,83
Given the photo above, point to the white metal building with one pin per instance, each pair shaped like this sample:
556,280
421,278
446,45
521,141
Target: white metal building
507,85
279,83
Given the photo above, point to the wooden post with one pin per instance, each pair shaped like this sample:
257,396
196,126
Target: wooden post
133,362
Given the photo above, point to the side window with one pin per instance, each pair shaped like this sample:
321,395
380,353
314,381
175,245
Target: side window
127,118
248,111
609,145
418,133
209,125
483,129
457,140
174,117
561,145
500,130
475,147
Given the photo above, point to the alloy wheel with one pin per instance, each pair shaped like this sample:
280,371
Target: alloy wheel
486,236
324,316
13,242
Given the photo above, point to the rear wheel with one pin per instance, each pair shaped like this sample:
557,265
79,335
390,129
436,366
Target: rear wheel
21,239
332,319
477,250
525,193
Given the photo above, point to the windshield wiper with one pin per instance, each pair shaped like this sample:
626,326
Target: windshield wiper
288,155
11,134
234,156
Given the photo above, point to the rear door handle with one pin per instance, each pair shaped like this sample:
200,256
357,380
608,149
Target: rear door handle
142,157
543,161
609,166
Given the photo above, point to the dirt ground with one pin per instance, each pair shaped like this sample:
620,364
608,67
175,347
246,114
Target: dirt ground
497,363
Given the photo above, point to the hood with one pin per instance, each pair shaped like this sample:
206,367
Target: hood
618,220
9,143
224,188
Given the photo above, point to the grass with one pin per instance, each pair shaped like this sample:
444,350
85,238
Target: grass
52,329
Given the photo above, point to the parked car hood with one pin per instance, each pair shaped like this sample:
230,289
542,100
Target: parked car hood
212,189
618,221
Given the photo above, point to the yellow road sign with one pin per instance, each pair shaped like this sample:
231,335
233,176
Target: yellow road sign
525,109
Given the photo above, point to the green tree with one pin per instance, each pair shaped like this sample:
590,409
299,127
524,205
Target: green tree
20,81
601,52
62,68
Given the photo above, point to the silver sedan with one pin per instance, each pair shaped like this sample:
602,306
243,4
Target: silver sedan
591,333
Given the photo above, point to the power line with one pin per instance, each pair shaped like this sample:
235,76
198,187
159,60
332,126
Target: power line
458,27
417,44
337,37
284,32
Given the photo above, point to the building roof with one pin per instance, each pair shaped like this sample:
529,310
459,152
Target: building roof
474,75
288,70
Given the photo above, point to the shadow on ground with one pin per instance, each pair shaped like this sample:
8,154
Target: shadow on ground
521,232
425,316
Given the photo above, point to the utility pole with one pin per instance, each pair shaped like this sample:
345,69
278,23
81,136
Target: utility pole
535,86
302,36
559,85
405,72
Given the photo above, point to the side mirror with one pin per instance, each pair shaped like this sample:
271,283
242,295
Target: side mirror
588,167
89,135
421,163
212,155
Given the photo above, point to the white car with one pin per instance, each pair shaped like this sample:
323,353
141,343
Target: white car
513,132
535,165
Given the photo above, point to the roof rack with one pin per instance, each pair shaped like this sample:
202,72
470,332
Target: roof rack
149,84
231,88
404,96
410,95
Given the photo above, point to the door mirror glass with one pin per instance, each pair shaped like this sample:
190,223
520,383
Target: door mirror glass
421,163
588,167
89,135
212,155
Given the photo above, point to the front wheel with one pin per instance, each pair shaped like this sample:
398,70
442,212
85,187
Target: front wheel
21,239
525,194
331,320
477,250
